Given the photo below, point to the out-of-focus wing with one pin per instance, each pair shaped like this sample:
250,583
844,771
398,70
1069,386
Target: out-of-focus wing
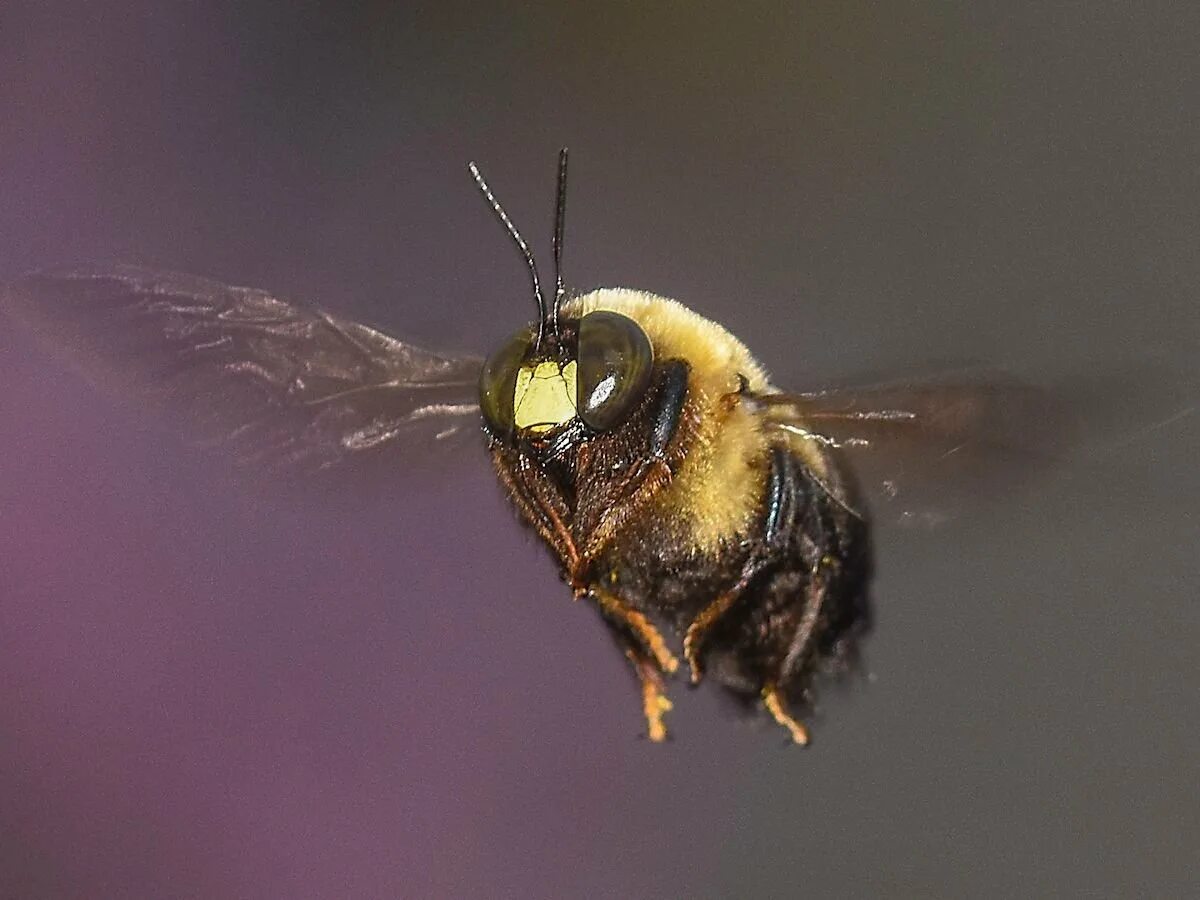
919,450
282,385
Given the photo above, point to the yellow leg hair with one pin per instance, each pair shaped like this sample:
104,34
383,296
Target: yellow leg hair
699,628
707,617
775,706
615,608
655,704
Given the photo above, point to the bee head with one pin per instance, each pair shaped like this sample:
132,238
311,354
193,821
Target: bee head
554,372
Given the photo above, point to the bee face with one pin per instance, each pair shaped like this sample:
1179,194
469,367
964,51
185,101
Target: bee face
593,370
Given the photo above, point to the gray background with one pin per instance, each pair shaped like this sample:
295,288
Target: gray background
208,694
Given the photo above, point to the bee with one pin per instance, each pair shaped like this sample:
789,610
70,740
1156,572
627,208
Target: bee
709,518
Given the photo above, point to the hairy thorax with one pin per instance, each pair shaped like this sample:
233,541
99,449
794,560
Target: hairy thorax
714,496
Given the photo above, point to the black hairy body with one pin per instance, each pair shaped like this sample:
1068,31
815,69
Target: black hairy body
816,565
790,592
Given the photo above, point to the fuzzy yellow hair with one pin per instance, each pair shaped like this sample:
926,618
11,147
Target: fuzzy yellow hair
715,494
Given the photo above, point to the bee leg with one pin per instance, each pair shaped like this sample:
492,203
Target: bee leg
622,615
779,522
645,649
773,702
800,646
693,639
800,650
655,704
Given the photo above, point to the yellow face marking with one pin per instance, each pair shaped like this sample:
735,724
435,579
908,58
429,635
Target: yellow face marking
544,397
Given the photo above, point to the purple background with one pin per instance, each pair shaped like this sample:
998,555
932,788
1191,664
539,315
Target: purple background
210,694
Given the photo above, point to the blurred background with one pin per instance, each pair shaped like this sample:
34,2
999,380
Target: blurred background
208,694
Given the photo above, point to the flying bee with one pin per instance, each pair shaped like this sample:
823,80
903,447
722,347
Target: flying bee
709,518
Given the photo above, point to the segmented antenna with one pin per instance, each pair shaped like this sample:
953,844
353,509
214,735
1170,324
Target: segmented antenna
521,245
560,212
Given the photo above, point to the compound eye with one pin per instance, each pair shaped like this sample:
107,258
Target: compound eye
498,381
615,358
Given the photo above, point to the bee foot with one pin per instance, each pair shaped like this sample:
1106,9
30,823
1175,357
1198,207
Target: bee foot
774,705
655,705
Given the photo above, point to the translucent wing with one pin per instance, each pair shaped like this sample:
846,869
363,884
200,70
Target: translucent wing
281,384
919,450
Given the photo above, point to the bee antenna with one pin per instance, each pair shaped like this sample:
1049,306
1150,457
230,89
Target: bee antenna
521,245
560,213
